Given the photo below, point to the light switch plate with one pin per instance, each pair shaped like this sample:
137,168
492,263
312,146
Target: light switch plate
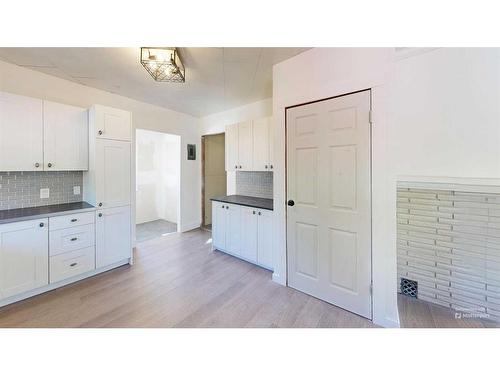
76,190
44,193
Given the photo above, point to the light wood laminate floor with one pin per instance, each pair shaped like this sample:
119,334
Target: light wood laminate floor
177,281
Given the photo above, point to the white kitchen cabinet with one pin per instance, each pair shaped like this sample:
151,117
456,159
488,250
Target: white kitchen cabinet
24,255
233,228
249,234
110,123
245,232
113,241
245,146
66,139
262,145
231,143
21,133
112,173
219,224
249,146
265,238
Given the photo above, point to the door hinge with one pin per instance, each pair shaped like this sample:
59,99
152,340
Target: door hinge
370,116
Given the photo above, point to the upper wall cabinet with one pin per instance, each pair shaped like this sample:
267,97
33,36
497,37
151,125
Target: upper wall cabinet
249,146
38,135
111,123
21,132
65,138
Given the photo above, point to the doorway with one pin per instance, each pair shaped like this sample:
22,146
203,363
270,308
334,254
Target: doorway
157,184
329,200
214,179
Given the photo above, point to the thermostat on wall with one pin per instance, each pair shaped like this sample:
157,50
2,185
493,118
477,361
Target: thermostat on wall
191,152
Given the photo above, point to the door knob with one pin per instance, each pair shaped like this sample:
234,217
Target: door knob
291,203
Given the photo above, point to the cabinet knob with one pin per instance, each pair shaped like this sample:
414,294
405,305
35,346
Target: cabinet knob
260,213
254,212
240,166
49,165
37,165
42,225
235,167
291,203
266,166
227,207
100,215
100,204
100,132
271,167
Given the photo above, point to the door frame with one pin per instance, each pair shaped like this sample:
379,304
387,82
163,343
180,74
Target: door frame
371,185
203,138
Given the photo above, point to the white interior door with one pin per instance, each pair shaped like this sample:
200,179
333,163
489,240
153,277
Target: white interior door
21,133
328,178
66,137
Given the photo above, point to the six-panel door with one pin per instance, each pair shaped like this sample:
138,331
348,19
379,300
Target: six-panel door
112,173
24,257
21,133
112,236
66,138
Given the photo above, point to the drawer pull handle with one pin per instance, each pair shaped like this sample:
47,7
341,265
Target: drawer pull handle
74,220
74,238
73,264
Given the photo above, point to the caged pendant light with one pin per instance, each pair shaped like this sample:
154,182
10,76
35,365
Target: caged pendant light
163,63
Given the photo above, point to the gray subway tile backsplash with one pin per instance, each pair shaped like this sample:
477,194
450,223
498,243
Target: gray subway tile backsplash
22,189
255,184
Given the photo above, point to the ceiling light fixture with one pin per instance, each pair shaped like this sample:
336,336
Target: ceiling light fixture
164,64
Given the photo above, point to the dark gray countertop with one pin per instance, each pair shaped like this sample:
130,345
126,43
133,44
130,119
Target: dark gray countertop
32,213
243,200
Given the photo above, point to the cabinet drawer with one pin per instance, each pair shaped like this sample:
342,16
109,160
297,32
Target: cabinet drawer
69,239
69,221
70,264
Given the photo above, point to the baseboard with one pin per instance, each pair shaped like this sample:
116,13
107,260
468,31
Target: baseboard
49,287
386,322
188,227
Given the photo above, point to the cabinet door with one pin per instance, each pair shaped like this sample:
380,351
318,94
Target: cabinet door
112,159
265,238
245,146
21,132
112,123
261,159
219,225
271,143
24,257
66,137
112,236
249,233
231,148
233,231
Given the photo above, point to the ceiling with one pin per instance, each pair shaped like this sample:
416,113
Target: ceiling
217,79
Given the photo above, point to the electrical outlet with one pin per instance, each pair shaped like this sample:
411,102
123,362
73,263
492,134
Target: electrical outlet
76,190
44,193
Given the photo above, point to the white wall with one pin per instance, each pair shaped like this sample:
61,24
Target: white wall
331,72
216,123
436,119
144,116
157,179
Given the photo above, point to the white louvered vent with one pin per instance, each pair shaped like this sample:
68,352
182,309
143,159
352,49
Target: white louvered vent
449,242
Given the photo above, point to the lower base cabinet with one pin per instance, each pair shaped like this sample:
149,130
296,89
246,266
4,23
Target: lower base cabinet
73,263
24,257
113,242
244,232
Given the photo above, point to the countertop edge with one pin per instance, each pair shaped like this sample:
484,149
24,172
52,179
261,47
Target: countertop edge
246,204
46,215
